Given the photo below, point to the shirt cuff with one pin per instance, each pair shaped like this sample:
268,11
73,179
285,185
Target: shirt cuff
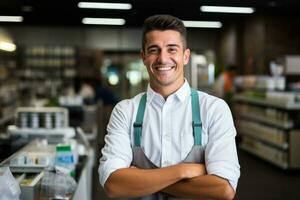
229,172
108,167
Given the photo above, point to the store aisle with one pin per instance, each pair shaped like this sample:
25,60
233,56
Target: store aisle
262,181
259,181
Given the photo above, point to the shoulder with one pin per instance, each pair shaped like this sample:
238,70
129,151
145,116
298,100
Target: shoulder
210,101
216,116
123,112
128,104
213,107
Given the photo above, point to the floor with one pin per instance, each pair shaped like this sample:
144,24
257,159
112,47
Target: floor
259,181
262,181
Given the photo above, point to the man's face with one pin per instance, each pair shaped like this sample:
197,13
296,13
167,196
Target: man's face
165,56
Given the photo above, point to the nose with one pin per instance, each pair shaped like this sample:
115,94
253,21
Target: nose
162,56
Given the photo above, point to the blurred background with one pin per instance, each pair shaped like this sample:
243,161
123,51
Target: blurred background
83,57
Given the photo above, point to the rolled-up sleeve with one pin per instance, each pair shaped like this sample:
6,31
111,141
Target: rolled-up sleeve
220,153
117,152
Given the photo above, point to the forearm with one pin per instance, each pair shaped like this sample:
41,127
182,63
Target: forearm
202,187
134,182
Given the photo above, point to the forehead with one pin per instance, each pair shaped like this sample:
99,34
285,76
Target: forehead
166,37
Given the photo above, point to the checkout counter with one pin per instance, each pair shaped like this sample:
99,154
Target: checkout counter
33,164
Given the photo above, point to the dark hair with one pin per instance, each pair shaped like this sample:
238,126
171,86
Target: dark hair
162,23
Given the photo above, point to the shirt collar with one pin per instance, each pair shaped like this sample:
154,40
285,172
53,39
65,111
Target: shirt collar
183,92
151,94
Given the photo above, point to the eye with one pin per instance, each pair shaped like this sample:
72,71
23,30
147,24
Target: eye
172,49
153,50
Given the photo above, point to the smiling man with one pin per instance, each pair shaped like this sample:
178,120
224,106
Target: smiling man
164,54
171,141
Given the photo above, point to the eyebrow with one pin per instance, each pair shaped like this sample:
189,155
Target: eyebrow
168,45
173,45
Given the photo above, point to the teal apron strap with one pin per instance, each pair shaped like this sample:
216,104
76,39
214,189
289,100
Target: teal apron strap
137,125
197,125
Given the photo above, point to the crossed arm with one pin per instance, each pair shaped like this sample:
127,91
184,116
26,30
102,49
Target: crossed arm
181,180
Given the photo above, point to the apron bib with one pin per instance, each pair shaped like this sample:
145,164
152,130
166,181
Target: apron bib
140,160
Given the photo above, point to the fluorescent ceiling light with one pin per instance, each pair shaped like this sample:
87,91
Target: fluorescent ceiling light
11,18
103,21
227,9
94,5
7,46
202,24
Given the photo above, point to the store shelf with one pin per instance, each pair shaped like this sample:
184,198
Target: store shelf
266,138
270,135
267,126
48,67
268,121
28,132
275,157
9,87
262,102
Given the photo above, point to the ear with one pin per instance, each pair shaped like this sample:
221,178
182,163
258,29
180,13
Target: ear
186,56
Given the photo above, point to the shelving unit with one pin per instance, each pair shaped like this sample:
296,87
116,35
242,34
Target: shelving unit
269,129
45,69
271,103
9,87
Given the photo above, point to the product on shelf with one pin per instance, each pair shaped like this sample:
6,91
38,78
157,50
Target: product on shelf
268,123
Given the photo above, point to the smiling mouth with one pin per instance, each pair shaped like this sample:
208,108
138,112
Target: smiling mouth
164,68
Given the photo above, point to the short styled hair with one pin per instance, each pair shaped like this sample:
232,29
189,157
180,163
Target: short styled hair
163,23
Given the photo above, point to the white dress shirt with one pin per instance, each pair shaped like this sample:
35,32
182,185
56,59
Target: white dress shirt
167,134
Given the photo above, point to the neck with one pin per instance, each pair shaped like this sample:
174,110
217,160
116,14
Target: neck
166,91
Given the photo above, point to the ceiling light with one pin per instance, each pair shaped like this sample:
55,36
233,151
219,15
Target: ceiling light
202,24
7,46
94,5
11,18
227,9
103,21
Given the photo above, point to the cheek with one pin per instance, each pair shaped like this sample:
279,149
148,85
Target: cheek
150,60
148,65
177,59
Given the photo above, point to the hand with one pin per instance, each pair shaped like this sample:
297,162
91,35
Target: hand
191,170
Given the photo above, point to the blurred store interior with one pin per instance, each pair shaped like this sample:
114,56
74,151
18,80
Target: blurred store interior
61,75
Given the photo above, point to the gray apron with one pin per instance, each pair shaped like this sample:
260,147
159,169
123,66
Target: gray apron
140,160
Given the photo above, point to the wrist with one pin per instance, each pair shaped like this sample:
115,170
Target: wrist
183,171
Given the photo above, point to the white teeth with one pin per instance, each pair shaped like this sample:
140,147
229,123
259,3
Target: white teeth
164,68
